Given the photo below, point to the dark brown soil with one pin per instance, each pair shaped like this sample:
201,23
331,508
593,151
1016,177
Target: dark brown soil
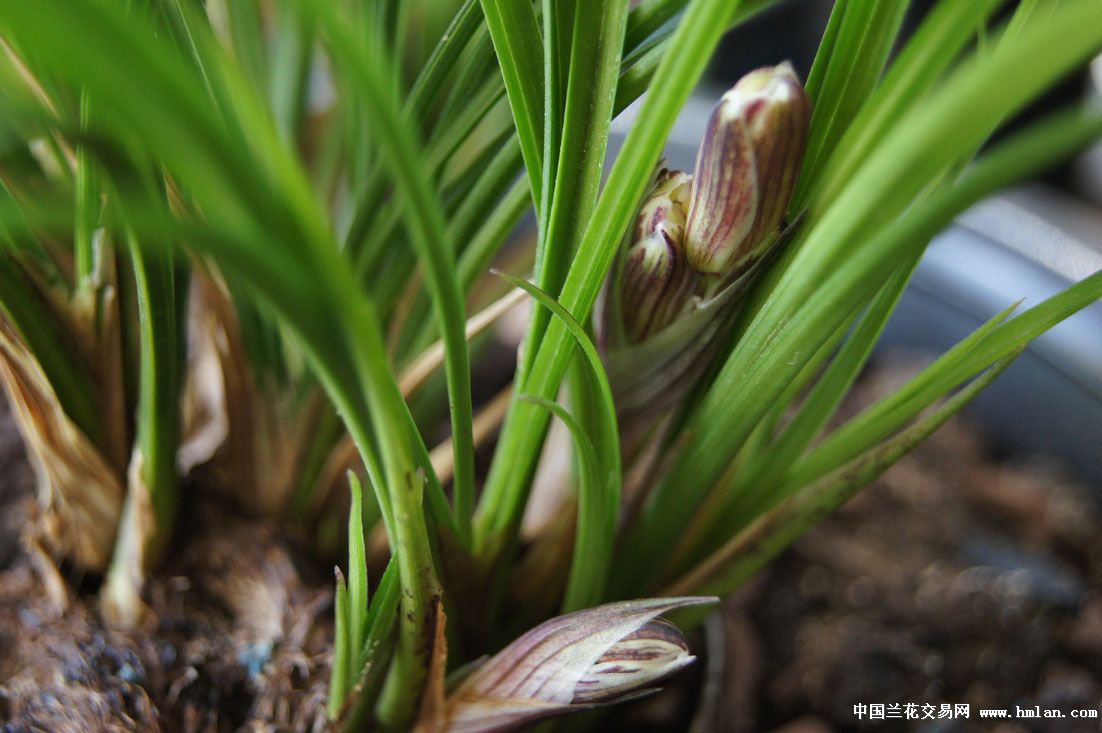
955,579
235,637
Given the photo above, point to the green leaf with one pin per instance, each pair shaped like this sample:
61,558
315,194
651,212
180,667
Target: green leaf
247,36
847,68
819,67
357,573
160,380
87,206
748,551
590,87
558,32
514,29
377,651
289,59
441,62
895,410
599,497
383,611
756,484
371,232
486,242
648,17
928,54
522,435
915,152
995,341
425,222
589,564
263,226
342,650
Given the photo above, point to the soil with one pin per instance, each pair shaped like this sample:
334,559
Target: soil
236,636
960,577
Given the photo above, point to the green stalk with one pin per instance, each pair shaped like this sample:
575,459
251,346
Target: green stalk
158,414
87,205
425,222
514,29
573,171
522,434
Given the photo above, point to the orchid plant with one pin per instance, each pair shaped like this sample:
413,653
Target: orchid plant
250,242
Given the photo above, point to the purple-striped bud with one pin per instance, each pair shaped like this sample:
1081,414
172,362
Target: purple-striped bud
746,170
652,652
590,657
665,207
656,281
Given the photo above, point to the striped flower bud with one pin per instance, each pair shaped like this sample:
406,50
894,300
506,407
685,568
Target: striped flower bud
654,651
656,281
590,657
746,170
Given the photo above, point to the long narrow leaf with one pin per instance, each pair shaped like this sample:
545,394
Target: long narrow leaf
515,31
600,497
357,574
593,70
507,485
425,221
748,551
853,57
922,62
756,483
342,650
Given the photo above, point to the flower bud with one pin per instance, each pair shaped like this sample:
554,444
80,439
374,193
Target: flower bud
590,657
666,204
746,170
656,281
652,652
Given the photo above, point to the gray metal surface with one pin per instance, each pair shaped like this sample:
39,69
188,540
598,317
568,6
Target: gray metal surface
1050,400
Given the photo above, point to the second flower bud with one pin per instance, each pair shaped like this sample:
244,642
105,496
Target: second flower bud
657,280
